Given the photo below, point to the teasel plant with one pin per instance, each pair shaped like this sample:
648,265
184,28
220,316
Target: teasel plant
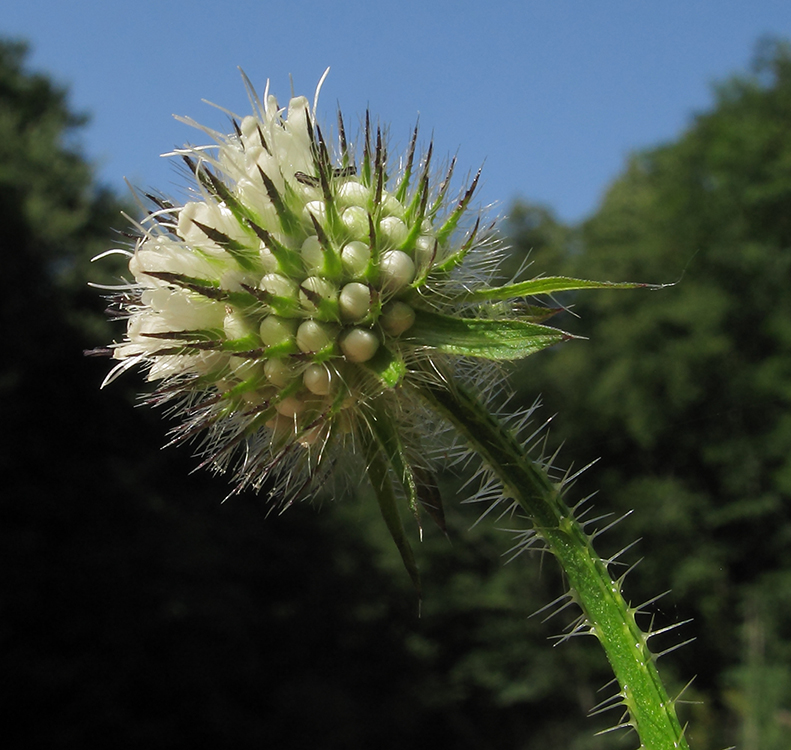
318,305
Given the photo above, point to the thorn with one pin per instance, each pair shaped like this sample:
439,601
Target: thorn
342,137
164,205
568,604
238,131
324,240
613,558
379,169
660,654
260,294
623,725
608,704
609,526
651,601
191,164
651,633
684,690
314,297
215,235
622,578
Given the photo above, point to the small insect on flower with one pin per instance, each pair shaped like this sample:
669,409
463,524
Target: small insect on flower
298,302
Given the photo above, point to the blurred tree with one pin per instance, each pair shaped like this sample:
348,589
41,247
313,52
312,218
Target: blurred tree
685,393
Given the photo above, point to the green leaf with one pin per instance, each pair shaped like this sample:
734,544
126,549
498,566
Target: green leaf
383,428
546,285
534,313
378,473
474,337
429,497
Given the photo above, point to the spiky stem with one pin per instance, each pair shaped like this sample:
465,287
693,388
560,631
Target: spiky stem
607,615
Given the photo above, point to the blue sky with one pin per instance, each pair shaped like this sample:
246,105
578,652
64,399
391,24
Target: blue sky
550,96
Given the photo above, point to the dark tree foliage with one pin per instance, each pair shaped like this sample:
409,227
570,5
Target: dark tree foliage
684,393
137,610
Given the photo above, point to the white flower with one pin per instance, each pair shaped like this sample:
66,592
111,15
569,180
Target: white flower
302,296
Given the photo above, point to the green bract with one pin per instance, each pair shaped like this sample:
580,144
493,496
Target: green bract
303,296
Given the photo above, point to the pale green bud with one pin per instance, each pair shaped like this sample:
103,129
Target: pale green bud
313,255
318,379
275,330
355,258
397,317
356,221
279,285
393,231
359,344
397,270
314,336
278,372
353,194
354,302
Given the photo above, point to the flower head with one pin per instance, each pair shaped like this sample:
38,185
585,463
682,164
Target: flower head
297,302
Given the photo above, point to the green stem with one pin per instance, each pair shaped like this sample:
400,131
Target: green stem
608,616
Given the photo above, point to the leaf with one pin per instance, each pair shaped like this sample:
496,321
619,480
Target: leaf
429,496
475,337
384,432
546,285
534,313
379,474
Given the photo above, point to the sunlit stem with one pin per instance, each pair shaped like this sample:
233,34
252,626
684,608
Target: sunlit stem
608,616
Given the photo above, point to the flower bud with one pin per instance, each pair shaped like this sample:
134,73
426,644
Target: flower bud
314,336
275,330
356,221
359,344
397,271
355,258
313,255
290,407
318,379
393,231
354,302
278,372
397,317
352,193
279,285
